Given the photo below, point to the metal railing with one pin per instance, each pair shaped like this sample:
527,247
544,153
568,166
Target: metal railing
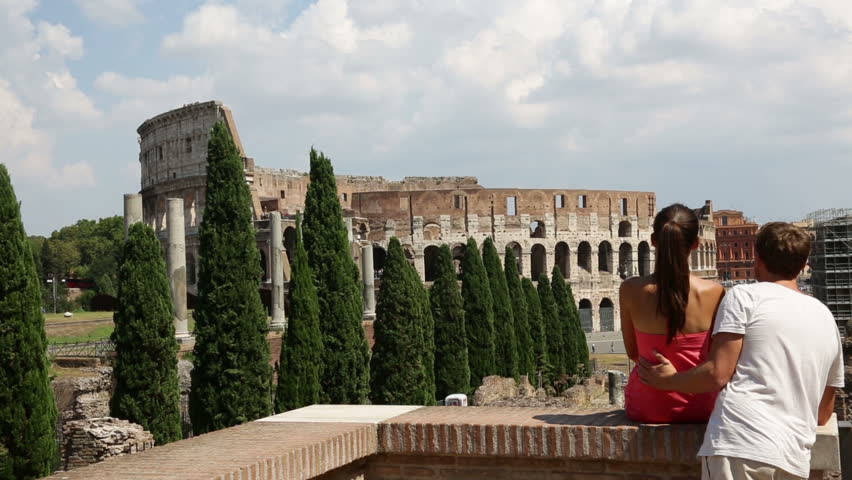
99,348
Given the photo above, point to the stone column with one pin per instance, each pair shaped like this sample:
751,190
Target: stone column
368,277
279,321
526,264
132,210
595,266
616,388
573,264
177,265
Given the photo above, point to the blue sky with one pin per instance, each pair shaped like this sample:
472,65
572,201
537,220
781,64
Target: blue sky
746,103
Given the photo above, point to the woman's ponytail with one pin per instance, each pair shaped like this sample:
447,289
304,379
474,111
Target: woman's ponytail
675,231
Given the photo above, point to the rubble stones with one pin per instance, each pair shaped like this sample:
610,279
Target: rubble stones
96,439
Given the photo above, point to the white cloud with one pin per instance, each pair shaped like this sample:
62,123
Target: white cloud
28,151
33,61
58,39
40,98
588,93
141,98
61,91
112,12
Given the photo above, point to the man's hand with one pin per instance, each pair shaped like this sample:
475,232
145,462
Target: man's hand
659,375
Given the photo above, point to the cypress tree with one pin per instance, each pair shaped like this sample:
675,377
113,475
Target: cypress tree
145,369
479,315
232,376
427,329
526,357
452,372
345,377
580,342
397,372
538,333
27,407
505,343
566,322
301,354
553,328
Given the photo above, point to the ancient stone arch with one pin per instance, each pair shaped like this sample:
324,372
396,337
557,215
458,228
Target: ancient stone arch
537,229
584,256
607,315
538,259
563,258
605,257
625,260
586,315
431,232
644,259
625,229
430,260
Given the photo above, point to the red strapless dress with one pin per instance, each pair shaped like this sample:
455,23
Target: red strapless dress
647,404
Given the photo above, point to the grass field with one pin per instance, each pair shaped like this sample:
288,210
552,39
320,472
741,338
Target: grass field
95,326
78,317
611,361
88,333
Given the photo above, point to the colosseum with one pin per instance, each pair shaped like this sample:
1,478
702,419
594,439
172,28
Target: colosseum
596,238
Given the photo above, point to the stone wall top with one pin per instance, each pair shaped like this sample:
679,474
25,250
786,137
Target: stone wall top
310,442
151,122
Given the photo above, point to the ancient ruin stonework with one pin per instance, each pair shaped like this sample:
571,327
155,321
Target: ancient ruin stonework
597,238
93,440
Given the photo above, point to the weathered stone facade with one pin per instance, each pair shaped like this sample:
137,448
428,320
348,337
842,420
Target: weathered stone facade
597,238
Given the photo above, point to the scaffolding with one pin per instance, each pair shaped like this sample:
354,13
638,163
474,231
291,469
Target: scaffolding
831,261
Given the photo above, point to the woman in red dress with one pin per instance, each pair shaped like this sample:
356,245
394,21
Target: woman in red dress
670,312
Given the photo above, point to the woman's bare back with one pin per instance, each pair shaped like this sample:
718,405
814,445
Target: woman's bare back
639,308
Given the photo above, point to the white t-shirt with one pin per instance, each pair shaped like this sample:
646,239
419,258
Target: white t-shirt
791,351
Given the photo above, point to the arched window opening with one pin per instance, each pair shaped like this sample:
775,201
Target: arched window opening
644,259
624,229
586,315
458,255
290,243
430,260
539,261
584,257
431,231
537,229
625,260
380,255
563,255
607,312
605,257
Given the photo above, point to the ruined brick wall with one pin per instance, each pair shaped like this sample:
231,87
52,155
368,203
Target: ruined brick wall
173,144
94,440
596,238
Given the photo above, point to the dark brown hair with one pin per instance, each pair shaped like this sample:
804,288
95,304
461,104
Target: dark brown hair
675,232
783,248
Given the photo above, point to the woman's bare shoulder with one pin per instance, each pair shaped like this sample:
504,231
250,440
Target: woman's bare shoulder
635,285
708,288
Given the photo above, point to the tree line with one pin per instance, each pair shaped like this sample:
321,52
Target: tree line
89,249
428,343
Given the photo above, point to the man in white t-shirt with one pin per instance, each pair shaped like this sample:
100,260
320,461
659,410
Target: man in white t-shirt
776,357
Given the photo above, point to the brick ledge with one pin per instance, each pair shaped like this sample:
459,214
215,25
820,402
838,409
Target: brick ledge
266,450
